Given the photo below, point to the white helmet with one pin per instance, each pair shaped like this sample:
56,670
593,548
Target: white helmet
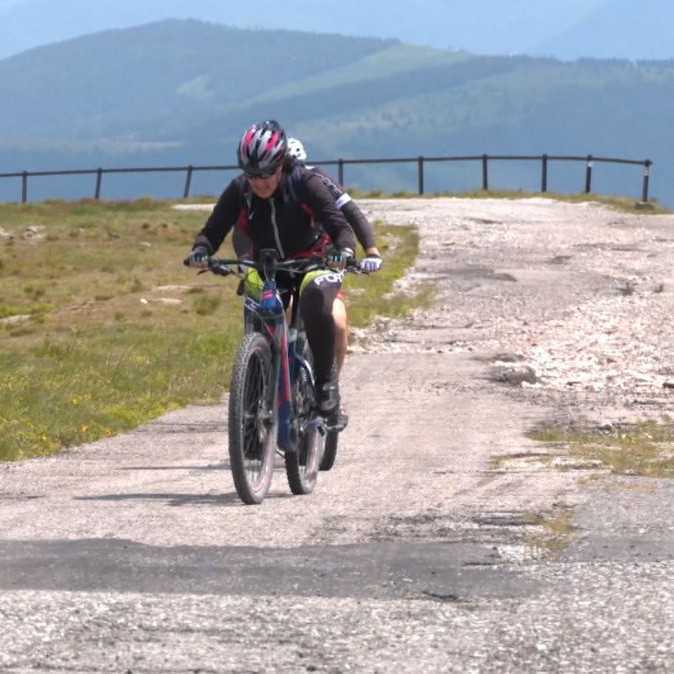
296,149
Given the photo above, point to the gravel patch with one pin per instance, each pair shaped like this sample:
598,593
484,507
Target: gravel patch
578,294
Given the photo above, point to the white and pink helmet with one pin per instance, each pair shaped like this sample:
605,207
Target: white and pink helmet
262,148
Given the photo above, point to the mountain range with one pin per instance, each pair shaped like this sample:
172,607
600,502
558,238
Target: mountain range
181,91
560,28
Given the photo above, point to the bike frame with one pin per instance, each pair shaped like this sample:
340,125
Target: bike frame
287,345
268,316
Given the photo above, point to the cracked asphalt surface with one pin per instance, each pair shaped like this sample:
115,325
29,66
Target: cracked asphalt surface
423,550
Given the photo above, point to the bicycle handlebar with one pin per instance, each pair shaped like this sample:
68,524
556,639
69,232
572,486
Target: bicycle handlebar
224,266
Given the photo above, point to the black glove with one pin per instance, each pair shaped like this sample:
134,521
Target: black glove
197,258
338,257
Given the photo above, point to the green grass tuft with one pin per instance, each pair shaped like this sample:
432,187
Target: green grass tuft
556,532
206,304
645,448
375,295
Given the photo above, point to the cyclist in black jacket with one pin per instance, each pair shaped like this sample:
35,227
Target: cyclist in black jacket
362,229
282,205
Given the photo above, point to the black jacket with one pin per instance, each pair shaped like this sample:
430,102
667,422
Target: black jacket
292,221
354,216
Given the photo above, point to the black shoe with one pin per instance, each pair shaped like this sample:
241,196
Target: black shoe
338,420
328,397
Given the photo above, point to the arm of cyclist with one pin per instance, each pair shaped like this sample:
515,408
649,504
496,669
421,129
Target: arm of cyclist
325,210
219,223
356,218
364,232
359,223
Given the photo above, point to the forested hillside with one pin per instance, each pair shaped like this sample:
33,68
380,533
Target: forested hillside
180,92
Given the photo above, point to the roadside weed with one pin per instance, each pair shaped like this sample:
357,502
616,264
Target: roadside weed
377,294
645,448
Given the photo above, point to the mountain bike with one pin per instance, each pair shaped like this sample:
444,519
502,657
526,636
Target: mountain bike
272,396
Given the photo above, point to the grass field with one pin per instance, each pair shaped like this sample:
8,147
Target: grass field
102,328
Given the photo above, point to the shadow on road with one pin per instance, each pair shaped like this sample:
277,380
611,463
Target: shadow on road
172,427
228,499
171,499
212,466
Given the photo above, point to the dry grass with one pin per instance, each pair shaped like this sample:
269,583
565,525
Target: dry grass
556,532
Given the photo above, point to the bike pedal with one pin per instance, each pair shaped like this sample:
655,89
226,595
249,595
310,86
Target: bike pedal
339,423
321,426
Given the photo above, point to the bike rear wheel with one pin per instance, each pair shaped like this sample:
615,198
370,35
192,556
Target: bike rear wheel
302,464
330,453
331,441
252,428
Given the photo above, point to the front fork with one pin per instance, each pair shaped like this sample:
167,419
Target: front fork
276,330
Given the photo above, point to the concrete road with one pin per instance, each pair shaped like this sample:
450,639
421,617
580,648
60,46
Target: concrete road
423,550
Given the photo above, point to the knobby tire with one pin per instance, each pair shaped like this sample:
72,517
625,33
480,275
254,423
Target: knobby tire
252,427
302,465
330,452
331,440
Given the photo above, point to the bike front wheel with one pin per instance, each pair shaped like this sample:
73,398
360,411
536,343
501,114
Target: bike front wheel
252,427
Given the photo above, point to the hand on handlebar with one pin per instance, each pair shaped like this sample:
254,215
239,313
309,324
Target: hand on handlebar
338,258
197,258
371,264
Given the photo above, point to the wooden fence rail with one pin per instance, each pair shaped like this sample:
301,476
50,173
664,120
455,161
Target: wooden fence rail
589,161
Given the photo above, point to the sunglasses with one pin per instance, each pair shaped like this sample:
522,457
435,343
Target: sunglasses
260,175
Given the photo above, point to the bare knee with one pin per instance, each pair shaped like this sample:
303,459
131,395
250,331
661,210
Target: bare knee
341,332
339,316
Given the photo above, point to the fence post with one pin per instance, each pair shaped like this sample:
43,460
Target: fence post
24,187
99,177
588,175
544,173
485,173
647,175
188,182
420,173
340,171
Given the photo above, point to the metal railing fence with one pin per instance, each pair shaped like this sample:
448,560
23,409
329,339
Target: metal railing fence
421,161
